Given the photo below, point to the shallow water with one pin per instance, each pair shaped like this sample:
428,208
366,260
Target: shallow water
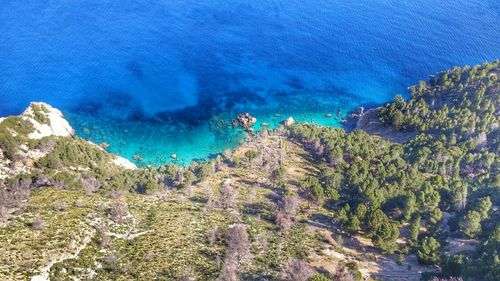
166,77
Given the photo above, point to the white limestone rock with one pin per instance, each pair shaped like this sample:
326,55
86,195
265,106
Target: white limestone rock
124,163
55,125
288,122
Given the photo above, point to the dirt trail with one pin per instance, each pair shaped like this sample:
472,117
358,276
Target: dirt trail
371,263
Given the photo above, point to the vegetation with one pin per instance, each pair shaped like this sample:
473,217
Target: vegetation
450,167
13,133
277,208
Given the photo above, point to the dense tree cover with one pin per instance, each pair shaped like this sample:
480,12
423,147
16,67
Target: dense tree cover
369,177
450,167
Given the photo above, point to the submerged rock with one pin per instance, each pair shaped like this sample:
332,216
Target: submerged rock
104,145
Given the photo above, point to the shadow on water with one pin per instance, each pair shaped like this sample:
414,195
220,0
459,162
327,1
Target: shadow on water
295,83
135,68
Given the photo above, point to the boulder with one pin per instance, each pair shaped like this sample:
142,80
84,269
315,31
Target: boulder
245,120
288,122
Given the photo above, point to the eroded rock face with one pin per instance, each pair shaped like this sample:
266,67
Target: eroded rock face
48,121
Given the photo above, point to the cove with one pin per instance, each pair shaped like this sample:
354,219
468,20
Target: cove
166,77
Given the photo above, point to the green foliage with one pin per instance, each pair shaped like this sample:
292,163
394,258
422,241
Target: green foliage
13,132
203,170
386,235
471,224
428,252
483,207
354,267
251,155
484,262
320,277
435,216
410,206
448,166
39,112
330,182
313,187
75,153
414,229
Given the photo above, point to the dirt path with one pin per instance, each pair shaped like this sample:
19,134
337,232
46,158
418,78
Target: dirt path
371,263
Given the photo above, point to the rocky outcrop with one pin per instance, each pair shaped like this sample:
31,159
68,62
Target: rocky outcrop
245,120
124,163
288,122
48,121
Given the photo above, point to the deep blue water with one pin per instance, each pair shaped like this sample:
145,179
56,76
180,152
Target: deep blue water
156,77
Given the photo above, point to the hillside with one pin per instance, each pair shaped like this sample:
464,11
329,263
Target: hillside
419,194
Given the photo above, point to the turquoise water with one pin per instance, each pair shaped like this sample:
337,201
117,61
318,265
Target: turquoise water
166,77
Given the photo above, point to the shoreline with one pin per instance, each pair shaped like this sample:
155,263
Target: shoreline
353,120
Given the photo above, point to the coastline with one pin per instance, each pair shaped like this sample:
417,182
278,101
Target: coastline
358,119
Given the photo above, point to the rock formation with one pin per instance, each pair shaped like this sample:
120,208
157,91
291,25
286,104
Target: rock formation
288,122
48,121
245,120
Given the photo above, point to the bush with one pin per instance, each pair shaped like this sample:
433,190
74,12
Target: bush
429,251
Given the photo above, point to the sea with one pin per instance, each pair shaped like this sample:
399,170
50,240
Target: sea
162,77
